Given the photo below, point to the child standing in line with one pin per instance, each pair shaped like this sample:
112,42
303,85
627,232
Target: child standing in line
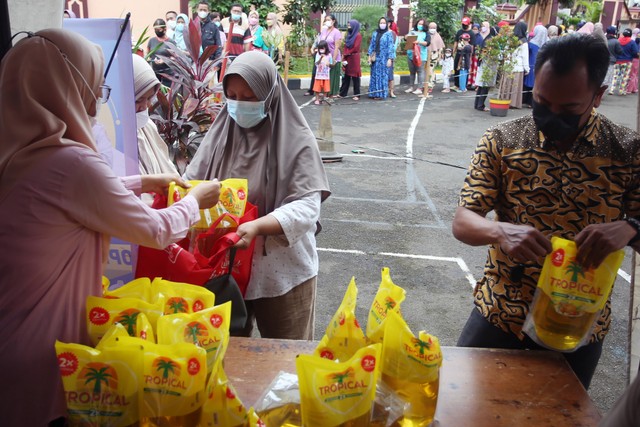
447,69
324,62
465,49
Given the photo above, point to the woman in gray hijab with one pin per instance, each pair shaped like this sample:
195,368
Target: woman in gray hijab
261,135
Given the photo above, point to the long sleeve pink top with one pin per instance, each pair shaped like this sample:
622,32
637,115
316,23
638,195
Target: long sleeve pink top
51,228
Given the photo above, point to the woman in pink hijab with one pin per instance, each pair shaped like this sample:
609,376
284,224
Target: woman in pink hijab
436,50
586,28
59,202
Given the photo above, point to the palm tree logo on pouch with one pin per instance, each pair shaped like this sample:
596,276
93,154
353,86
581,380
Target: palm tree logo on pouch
166,365
128,319
96,376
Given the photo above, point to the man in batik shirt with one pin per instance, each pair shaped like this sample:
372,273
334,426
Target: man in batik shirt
564,171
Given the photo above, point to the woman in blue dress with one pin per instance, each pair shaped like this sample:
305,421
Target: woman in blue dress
382,52
540,37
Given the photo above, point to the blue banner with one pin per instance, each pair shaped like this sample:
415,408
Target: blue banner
115,132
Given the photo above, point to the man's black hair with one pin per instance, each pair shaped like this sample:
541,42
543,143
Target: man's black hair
565,52
236,5
206,3
171,11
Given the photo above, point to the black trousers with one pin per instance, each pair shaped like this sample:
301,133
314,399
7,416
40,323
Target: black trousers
346,82
313,79
481,97
456,70
478,332
527,96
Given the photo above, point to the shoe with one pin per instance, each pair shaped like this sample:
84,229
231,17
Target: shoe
316,102
409,90
355,98
392,95
417,92
462,91
446,90
308,93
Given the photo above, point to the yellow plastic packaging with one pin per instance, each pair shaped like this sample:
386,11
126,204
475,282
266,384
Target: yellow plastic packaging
569,298
344,335
105,283
411,366
173,382
208,329
177,297
104,312
222,408
101,388
389,297
338,394
115,331
233,200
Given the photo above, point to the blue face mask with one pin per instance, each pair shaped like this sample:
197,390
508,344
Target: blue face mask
246,114
236,16
180,27
420,27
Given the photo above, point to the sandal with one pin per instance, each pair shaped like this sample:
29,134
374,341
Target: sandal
316,102
355,98
308,93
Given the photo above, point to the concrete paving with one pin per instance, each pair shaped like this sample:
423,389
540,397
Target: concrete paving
387,210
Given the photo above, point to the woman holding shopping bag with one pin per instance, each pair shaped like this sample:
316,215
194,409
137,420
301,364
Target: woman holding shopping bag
261,135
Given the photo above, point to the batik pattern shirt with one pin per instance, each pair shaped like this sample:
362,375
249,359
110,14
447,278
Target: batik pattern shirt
526,180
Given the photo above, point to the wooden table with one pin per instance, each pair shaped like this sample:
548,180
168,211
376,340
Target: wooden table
478,387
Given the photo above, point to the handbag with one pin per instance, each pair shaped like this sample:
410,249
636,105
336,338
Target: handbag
417,60
226,289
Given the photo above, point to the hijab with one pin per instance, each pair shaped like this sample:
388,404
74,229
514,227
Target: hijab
44,100
586,28
380,34
279,157
598,30
436,40
353,34
540,36
486,25
153,152
520,30
552,31
275,28
178,36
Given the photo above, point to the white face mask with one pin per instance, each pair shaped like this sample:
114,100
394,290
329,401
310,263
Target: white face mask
328,24
246,114
447,55
172,24
202,14
432,30
383,26
484,29
142,118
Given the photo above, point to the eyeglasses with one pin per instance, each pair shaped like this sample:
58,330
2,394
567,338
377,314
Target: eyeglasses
105,92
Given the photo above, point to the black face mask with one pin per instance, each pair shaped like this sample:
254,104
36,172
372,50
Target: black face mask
159,33
556,127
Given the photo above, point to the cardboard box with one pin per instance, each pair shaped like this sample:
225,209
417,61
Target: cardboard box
409,40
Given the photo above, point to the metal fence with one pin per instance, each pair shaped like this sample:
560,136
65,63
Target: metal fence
343,9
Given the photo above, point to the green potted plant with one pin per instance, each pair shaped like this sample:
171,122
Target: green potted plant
185,111
496,63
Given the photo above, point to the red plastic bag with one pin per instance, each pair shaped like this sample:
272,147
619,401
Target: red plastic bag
417,60
177,264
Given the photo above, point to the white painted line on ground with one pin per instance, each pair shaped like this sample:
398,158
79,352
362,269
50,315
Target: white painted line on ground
384,224
363,199
459,261
626,276
307,103
412,128
374,157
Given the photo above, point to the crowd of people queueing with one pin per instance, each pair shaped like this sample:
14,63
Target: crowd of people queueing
462,65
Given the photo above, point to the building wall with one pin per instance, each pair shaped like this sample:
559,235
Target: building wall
34,15
143,13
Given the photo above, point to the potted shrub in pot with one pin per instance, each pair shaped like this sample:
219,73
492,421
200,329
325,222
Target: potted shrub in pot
185,111
496,63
